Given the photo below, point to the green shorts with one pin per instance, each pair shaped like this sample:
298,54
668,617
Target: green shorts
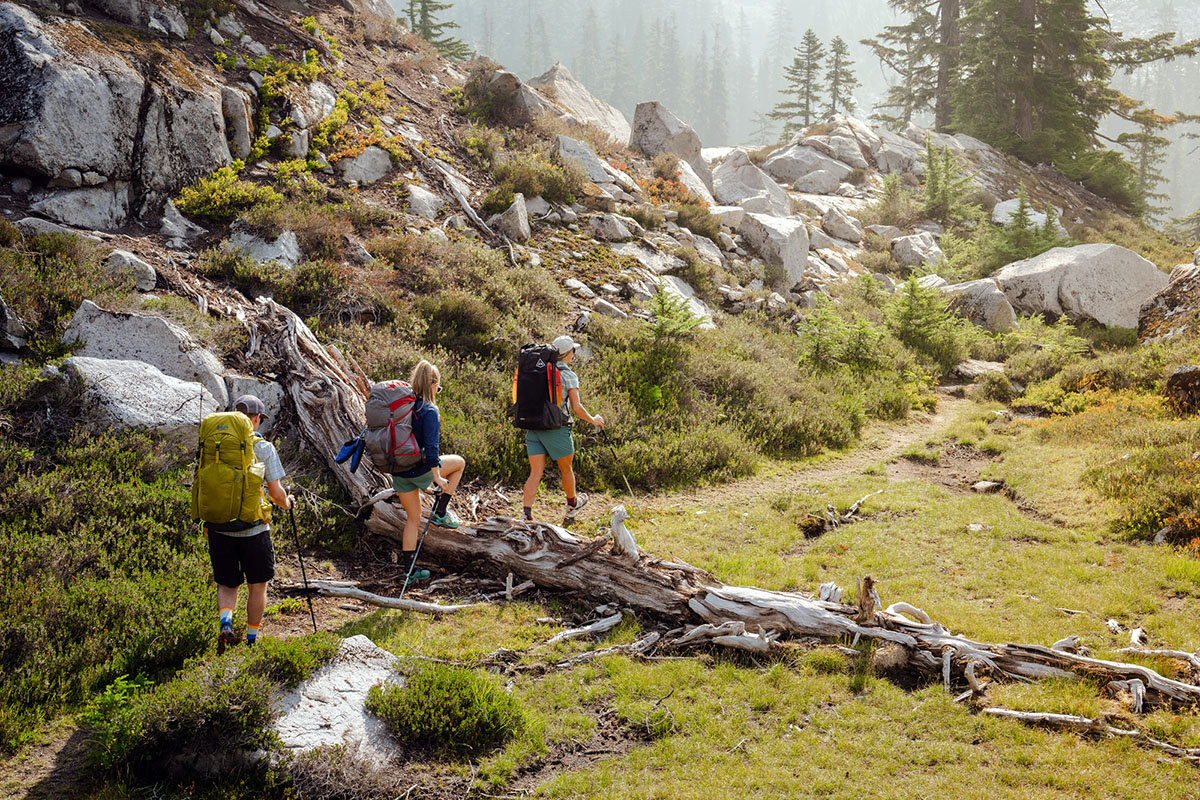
556,443
417,484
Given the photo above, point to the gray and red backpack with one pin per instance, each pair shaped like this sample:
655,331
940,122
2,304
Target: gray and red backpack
389,441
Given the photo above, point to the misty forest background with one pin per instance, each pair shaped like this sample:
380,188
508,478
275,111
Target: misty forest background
719,64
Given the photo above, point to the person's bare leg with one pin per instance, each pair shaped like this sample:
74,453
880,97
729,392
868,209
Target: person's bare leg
537,465
227,597
411,502
452,471
256,601
568,474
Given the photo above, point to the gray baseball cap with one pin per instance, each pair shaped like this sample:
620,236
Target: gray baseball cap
250,405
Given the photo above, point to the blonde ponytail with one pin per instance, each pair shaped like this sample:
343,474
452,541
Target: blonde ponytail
422,380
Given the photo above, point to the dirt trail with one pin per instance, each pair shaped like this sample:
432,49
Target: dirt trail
880,442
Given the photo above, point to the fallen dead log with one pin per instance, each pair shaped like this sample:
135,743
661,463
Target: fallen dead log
1092,727
338,589
328,393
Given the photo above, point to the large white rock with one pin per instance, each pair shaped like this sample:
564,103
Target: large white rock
311,103
656,130
270,392
370,166
982,303
916,250
779,240
513,222
730,216
176,226
237,107
1006,210
328,709
571,95
693,183
821,181
797,161
72,101
608,228
125,262
99,208
516,102
736,179
134,395
285,249
423,202
840,224
841,148
655,261
149,339
581,154
157,16
1102,282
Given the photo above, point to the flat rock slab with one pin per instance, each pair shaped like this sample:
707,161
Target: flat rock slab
132,395
328,708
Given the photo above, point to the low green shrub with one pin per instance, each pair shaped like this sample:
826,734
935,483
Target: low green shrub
320,229
222,196
703,276
448,709
918,317
95,539
698,219
533,174
647,216
46,279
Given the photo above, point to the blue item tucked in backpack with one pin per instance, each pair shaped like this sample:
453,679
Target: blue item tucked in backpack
352,450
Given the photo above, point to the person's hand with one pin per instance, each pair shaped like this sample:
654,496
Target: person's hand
290,502
598,421
442,483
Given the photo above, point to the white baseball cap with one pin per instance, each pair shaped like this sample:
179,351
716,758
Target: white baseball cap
564,344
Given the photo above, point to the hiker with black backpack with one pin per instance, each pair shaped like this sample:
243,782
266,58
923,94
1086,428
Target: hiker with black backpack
433,468
545,393
238,478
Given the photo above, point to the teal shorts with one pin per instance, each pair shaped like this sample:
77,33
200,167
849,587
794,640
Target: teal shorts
417,484
556,443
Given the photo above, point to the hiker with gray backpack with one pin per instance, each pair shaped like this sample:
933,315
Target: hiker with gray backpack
545,393
238,478
403,440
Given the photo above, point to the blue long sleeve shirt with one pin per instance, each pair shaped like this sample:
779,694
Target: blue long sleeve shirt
427,428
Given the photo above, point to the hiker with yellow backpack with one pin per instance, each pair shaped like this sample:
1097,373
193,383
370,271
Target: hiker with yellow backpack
238,478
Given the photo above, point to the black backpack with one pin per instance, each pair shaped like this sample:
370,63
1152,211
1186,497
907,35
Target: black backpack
537,390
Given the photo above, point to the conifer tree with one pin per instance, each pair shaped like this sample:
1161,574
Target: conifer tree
840,79
924,53
1149,152
716,105
803,77
423,21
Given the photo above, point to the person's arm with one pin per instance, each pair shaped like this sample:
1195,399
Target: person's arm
279,495
431,426
581,412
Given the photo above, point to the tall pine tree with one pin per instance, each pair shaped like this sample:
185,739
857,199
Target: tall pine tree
924,52
804,84
840,79
423,21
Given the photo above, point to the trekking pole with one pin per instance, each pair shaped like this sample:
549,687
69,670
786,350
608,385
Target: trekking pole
303,574
617,461
420,541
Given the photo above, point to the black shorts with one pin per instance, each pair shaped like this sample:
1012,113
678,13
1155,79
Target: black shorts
241,558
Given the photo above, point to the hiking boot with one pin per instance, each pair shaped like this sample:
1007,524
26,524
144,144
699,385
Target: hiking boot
581,500
225,638
445,520
419,575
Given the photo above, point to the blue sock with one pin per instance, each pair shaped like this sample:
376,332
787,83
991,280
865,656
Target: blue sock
227,617
251,632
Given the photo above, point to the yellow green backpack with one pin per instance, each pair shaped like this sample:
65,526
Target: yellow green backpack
227,489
